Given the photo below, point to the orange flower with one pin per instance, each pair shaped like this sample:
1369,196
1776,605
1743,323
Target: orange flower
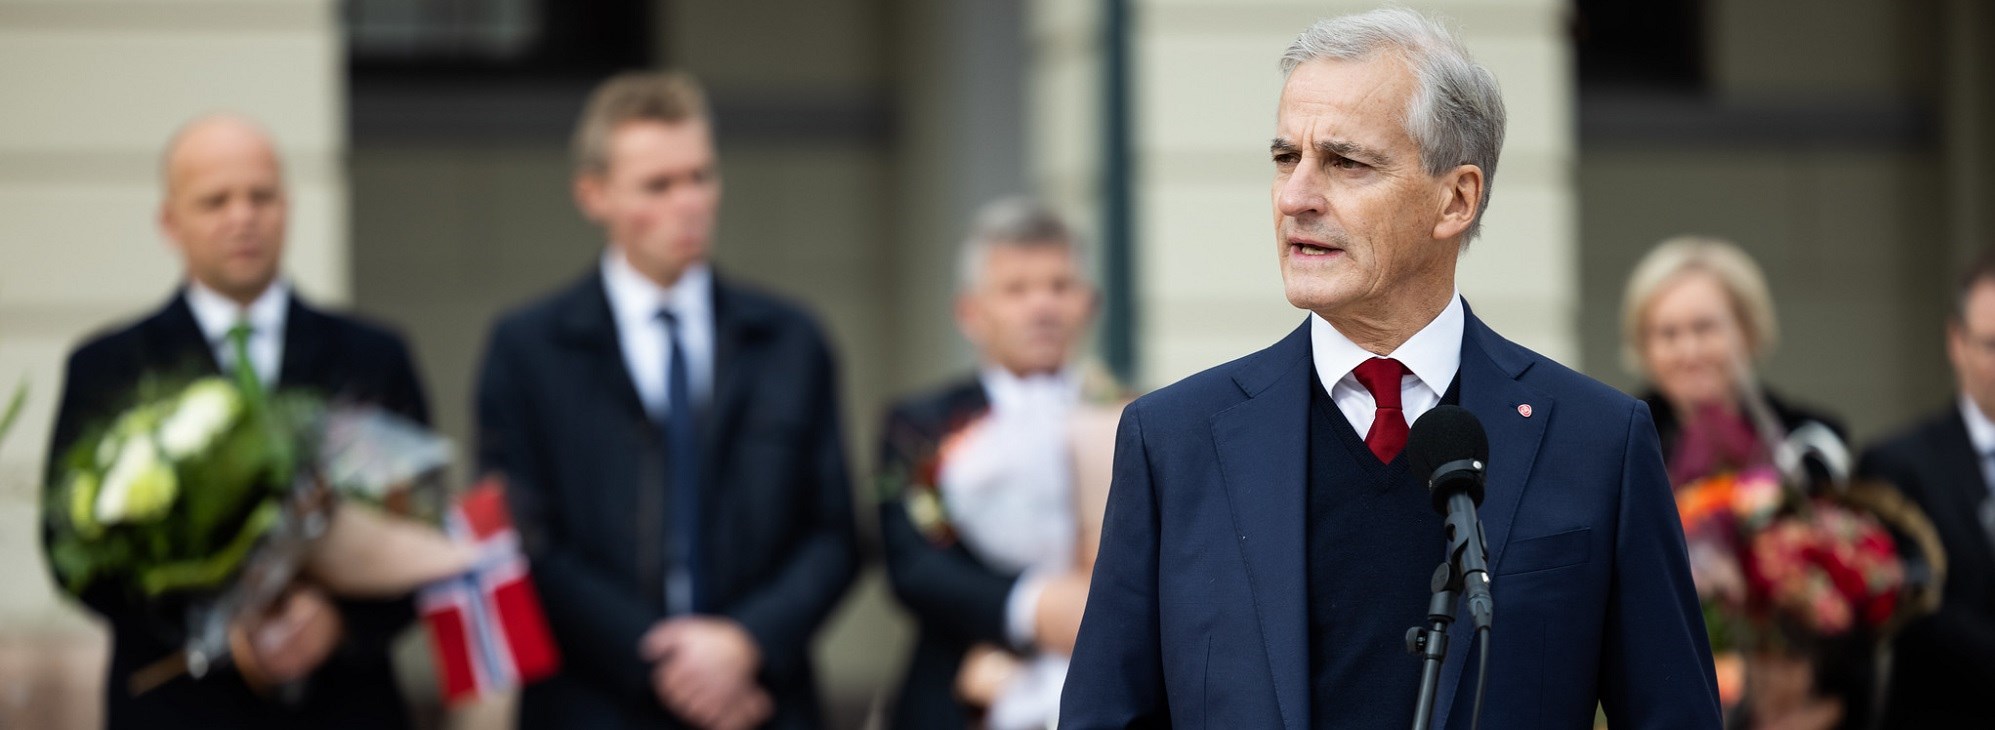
1699,500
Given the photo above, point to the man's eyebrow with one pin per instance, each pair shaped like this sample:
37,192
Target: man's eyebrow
1334,148
1352,150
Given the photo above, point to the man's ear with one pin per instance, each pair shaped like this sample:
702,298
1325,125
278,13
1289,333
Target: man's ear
1460,201
968,319
589,194
168,229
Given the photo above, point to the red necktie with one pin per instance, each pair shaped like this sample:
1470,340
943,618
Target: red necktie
1381,375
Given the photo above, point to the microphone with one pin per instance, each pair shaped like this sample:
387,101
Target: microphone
1449,445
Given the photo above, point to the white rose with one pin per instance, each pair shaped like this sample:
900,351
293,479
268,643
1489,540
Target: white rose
107,450
139,488
204,411
133,425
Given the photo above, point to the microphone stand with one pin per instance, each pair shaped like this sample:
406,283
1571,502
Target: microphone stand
1467,560
1430,641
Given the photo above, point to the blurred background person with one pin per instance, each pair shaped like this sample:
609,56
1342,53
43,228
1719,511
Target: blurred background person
315,661
983,485
1697,317
671,440
1945,463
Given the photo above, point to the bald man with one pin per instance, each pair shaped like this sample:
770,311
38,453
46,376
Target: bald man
315,661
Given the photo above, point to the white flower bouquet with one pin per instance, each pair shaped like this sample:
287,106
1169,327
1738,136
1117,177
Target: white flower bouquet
226,496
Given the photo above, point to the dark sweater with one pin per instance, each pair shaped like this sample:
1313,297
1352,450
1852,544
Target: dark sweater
1374,539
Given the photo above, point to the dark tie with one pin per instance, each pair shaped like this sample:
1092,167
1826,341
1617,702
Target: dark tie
1381,376
682,444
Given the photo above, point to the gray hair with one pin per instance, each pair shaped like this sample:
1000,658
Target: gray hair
1013,223
1456,114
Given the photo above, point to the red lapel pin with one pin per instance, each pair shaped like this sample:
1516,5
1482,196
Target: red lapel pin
1524,409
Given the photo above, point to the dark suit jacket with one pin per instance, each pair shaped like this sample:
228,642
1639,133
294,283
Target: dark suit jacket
1944,661
559,417
336,356
956,599
1198,611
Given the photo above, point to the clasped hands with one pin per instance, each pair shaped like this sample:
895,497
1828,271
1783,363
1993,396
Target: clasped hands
703,670
987,669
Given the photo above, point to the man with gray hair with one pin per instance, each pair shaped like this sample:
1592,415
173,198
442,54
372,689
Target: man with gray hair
977,509
1268,541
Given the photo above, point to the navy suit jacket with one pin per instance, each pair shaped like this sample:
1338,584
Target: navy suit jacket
335,356
559,417
1198,615
1944,661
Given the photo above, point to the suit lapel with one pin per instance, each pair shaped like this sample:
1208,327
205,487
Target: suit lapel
590,331
1489,373
1263,451
739,326
173,339
306,335
1964,484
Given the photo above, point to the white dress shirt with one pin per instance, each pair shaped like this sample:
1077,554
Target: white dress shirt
1008,489
217,314
1431,356
1009,493
635,302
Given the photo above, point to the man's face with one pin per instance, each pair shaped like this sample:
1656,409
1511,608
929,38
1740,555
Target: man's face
658,195
225,208
1028,309
1357,217
1971,346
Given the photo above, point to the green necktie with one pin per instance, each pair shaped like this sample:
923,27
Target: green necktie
245,372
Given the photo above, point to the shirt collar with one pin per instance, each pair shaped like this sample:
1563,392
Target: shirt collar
217,314
1007,389
1980,429
635,298
1433,354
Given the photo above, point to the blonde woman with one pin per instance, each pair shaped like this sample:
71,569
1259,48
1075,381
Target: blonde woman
1696,319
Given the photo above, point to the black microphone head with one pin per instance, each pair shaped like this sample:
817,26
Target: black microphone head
1441,438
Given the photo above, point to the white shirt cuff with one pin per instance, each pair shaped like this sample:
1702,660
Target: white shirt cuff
1021,609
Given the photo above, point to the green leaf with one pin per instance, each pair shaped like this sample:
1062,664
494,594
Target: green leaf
220,485
13,409
211,571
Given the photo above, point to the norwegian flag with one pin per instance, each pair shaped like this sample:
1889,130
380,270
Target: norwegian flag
486,627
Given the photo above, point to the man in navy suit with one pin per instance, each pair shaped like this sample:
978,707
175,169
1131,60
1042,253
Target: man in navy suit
1266,546
672,448
225,211
1945,463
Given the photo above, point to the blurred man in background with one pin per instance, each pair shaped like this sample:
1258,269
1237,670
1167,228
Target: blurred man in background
316,661
672,443
1946,464
979,511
